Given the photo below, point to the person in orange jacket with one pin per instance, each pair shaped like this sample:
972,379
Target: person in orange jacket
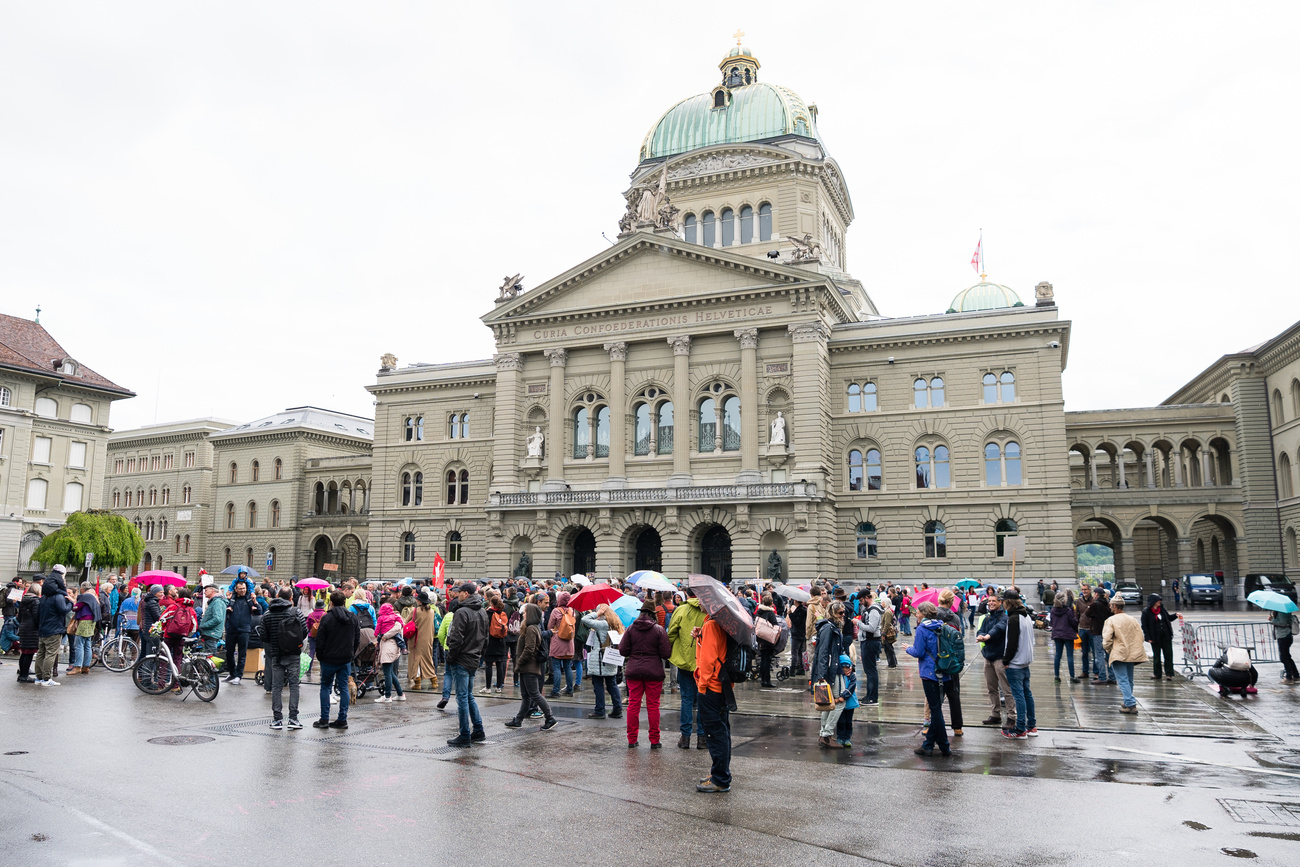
710,659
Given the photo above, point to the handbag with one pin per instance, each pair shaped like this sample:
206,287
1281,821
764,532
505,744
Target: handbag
767,631
823,696
72,627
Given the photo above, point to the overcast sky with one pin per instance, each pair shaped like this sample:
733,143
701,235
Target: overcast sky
235,208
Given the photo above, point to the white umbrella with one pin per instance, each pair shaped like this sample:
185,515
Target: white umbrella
791,592
580,580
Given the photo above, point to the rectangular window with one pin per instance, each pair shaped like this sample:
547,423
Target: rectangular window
72,497
153,462
130,465
41,450
36,491
77,455
189,459
167,462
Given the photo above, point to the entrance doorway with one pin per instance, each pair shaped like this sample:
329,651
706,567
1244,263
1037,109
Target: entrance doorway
584,553
649,550
321,552
715,554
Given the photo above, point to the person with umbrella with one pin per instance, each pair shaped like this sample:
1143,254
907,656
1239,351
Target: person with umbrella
601,623
925,647
644,646
1284,623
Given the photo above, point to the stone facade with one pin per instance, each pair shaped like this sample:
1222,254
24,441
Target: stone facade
54,437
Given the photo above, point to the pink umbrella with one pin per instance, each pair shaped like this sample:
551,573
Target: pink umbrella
312,584
160,576
932,596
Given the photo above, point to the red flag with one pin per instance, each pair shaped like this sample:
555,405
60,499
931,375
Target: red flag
977,260
439,571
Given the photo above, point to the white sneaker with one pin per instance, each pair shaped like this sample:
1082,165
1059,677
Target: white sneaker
235,682
52,682
484,691
382,700
334,699
401,697
42,683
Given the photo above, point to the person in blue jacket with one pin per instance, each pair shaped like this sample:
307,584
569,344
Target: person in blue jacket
925,647
844,725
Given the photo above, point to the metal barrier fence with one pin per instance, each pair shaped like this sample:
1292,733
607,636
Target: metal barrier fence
1203,643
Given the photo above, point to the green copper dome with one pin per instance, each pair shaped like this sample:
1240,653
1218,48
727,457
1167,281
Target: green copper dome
985,296
754,112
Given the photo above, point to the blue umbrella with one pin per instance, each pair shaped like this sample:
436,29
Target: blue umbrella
235,570
628,609
1272,601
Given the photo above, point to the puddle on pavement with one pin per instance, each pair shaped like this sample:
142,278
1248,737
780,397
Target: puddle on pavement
1238,853
1196,826
1276,835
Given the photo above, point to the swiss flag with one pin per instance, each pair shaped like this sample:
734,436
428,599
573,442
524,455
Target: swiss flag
977,261
439,571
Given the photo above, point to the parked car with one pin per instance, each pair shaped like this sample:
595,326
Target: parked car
1276,583
1203,589
1130,593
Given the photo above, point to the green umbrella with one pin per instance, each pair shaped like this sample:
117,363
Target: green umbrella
1271,601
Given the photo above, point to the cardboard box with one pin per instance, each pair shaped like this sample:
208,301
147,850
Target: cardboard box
253,663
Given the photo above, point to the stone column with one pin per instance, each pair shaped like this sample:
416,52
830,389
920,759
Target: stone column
681,345
811,375
1092,470
555,438
1151,468
1176,458
749,414
1119,458
1205,467
505,435
1126,562
1185,562
617,422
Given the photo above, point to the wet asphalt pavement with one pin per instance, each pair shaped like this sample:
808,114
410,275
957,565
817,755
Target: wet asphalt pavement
1193,779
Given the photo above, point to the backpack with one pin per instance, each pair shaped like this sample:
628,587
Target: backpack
182,622
735,669
290,635
499,625
952,652
564,630
581,632
514,623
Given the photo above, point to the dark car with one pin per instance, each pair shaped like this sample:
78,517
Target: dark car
1203,589
1276,583
1130,593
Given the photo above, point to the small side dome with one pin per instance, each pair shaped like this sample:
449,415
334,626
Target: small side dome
985,296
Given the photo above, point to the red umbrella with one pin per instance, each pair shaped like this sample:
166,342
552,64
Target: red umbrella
592,595
157,576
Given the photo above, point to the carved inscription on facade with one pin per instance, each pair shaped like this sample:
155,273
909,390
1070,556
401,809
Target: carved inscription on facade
623,326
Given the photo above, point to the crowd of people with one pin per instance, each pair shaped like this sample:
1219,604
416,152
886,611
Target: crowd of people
540,634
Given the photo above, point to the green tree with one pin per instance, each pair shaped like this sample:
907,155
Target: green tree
114,541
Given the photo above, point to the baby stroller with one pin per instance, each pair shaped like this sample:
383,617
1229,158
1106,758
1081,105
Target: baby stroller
365,673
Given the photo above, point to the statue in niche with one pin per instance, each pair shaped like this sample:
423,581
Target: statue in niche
774,567
524,568
535,443
778,431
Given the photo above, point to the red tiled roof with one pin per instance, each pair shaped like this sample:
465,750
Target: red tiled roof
24,344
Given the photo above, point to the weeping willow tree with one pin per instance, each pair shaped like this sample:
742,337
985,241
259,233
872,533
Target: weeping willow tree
114,541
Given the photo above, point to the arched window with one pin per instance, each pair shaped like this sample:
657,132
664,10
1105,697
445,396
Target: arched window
928,393
1004,528
602,432
1284,475
1295,397
257,470
1002,464
1292,550
80,413
869,397
417,489
227,558
874,478
1011,458
72,497
709,229
464,426
117,499
866,541
128,499
275,513
406,489
187,543
746,225
708,424
936,539
923,477
720,99
408,548
187,494
1277,407
248,556
252,516
230,516
410,428
166,496
464,487
932,467
270,559
728,227
581,432
47,407
234,473
993,464
177,548
855,397
451,487
731,424
5,396
936,391
279,469
689,228
942,477
1008,383
764,222
664,446
453,546
920,396
641,444
990,388
162,534
153,496
855,470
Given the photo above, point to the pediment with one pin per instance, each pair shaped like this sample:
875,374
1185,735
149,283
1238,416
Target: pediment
648,270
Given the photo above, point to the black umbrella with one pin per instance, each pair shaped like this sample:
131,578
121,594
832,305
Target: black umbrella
720,604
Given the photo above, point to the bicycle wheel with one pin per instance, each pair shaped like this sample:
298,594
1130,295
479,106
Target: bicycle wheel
206,682
152,674
119,654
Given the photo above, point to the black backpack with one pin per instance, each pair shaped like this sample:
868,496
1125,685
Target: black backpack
291,634
735,669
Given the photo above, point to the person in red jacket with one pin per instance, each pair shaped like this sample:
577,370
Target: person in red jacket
710,657
645,646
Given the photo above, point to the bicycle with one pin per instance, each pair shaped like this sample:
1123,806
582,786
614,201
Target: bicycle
116,654
156,672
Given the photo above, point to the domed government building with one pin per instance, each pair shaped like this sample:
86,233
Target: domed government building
717,393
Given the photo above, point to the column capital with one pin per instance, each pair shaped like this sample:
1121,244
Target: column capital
748,337
681,344
557,356
508,360
617,351
802,332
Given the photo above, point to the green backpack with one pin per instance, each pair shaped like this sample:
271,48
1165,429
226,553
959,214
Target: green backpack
952,652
